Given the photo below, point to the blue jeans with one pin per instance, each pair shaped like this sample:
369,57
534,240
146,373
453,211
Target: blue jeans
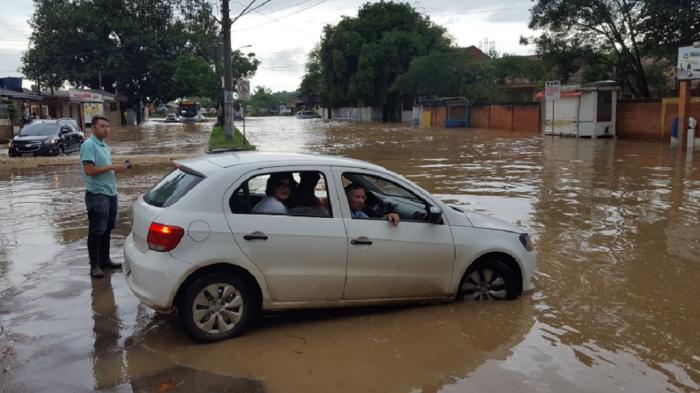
102,213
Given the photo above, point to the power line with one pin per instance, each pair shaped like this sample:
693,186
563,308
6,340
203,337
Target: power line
272,19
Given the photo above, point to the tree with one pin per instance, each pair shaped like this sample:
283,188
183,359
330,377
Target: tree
311,87
360,58
455,74
262,101
140,48
438,75
194,76
668,24
596,29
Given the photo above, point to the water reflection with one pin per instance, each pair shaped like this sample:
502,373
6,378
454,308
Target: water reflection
616,224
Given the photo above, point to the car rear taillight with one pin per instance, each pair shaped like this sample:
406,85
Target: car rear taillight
163,237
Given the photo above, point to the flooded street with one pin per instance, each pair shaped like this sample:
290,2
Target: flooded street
616,225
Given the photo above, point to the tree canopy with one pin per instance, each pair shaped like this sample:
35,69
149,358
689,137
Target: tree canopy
620,36
359,58
454,73
150,50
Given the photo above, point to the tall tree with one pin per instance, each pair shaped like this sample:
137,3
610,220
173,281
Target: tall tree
600,27
669,24
360,57
134,47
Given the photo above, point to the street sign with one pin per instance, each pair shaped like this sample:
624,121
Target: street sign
688,63
244,89
552,90
229,96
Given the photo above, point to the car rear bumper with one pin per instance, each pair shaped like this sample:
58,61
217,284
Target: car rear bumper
153,276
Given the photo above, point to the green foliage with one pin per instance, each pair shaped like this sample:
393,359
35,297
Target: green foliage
140,48
453,74
262,101
217,140
359,59
312,83
607,35
194,76
668,24
439,75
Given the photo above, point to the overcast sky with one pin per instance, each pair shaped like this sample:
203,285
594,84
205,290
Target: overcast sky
283,31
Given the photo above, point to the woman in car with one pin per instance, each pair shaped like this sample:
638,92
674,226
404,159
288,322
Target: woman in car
278,189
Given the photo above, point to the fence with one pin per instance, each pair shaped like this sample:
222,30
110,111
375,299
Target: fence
650,120
515,117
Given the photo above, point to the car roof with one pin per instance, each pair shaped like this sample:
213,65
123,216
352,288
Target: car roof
53,121
212,162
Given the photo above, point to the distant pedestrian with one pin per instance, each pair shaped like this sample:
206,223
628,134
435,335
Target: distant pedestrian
100,195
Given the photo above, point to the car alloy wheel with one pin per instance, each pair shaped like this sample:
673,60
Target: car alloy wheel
217,308
489,279
484,285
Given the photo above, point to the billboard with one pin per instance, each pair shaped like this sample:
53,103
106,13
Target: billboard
688,63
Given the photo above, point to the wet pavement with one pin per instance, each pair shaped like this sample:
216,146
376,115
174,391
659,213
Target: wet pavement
616,225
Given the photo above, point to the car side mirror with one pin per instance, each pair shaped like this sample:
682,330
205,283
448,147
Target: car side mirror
434,214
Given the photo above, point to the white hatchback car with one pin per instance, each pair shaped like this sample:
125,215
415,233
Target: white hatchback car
224,236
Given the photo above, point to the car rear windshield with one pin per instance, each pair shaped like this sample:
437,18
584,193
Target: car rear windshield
38,129
173,186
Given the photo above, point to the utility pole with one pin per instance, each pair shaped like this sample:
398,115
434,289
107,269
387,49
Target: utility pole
228,83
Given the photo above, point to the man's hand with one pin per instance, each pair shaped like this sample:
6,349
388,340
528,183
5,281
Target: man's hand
393,218
118,168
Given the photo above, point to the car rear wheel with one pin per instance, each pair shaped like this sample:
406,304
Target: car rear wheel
489,279
216,306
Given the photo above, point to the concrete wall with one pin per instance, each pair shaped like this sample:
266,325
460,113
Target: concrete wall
516,117
361,114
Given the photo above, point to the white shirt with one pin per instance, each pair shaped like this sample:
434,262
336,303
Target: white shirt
270,205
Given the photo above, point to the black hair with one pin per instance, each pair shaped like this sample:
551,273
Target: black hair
353,187
275,179
97,118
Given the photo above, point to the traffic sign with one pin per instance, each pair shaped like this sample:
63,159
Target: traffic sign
229,96
552,90
244,89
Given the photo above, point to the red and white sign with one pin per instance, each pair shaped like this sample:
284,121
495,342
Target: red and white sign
552,90
84,96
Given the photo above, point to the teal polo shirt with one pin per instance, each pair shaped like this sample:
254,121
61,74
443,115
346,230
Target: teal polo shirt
97,152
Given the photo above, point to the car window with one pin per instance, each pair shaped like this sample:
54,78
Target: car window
38,129
299,193
171,188
384,196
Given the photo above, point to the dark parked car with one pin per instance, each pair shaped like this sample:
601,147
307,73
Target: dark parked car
47,137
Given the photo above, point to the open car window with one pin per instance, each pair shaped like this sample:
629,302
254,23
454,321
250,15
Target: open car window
307,195
385,196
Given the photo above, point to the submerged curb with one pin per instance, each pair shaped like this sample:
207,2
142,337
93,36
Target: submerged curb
136,159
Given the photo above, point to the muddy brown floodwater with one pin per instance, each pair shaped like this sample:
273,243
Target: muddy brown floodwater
616,225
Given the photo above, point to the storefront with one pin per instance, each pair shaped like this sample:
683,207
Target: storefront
82,105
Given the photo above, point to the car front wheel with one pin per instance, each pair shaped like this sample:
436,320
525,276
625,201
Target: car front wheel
489,279
215,307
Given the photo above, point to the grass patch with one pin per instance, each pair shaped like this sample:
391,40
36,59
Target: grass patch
217,140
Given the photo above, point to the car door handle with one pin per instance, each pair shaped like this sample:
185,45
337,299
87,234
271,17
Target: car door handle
361,241
255,236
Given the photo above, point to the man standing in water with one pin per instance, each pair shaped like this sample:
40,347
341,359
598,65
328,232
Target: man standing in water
100,195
